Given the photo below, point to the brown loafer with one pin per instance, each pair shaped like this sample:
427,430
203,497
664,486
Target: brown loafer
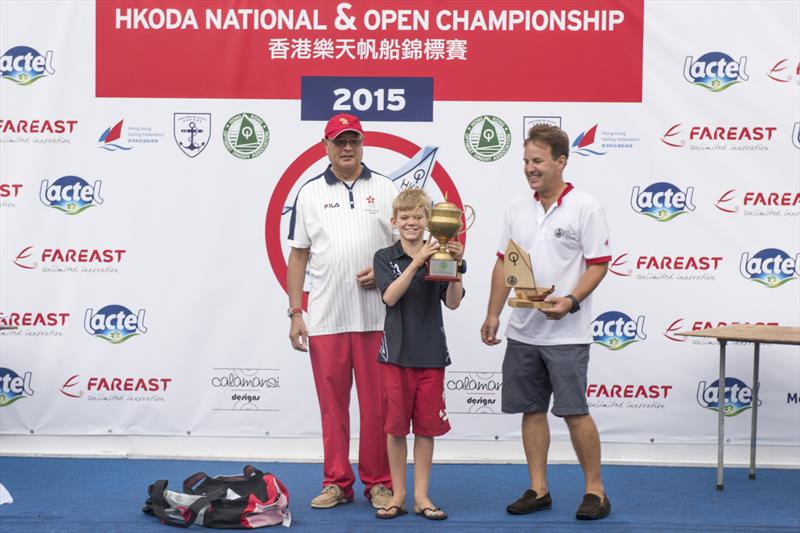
529,502
593,508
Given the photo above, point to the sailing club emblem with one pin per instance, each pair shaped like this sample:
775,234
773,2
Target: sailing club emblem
192,132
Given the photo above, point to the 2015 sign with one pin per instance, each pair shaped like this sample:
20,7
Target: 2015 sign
384,99
362,99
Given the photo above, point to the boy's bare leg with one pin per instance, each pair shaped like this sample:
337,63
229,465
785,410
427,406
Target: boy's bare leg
423,458
398,452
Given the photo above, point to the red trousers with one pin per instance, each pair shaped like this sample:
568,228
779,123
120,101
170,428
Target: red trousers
334,360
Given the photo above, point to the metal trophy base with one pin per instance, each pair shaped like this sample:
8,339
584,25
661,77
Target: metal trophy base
442,270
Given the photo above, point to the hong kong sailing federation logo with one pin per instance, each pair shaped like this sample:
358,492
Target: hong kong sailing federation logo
245,135
192,132
487,138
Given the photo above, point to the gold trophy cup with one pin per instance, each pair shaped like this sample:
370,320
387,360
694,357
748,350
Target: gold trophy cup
444,224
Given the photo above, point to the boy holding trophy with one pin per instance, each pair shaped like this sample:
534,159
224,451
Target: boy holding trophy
414,352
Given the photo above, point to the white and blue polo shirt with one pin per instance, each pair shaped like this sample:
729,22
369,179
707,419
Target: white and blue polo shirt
343,225
561,242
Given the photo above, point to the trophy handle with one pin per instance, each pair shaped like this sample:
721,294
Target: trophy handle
469,219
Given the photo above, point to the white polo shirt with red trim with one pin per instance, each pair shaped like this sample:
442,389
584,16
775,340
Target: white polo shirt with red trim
343,225
561,242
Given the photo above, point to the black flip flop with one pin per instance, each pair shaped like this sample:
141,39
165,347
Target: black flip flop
429,513
399,512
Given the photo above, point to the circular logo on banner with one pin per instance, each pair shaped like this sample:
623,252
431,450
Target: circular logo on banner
487,138
315,153
245,135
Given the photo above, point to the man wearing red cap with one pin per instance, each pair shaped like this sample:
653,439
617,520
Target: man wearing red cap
340,219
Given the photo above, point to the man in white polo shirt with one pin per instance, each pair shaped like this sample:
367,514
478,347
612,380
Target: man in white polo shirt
566,234
340,219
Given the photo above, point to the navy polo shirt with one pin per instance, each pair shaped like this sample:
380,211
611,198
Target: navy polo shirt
413,332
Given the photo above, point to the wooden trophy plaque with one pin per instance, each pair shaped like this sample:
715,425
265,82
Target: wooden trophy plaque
518,271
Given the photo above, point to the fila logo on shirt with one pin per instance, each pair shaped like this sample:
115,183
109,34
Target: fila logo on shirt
331,206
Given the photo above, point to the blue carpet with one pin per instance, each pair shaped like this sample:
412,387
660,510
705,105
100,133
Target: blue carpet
106,495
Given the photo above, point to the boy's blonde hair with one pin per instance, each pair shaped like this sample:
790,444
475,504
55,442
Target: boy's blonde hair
411,200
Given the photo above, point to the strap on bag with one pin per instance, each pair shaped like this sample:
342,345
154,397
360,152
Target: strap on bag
159,505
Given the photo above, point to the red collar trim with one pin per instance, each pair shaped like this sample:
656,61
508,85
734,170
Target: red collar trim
568,188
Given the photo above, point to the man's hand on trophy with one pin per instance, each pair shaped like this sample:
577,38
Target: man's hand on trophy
456,248
298,333
366,278
560,307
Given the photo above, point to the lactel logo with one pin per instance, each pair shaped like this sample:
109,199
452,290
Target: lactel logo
669,267
716,71
662,201
737,397
760,203
70,259
23,65
616,330
716,138
796,135
770,267
114,323
71,195
698,325
14,387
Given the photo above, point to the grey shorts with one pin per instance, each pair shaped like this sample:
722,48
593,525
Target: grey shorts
532,373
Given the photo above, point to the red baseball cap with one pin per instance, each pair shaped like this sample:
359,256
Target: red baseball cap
341,123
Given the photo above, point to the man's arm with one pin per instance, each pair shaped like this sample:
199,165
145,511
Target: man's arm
295,277
497,298
587,283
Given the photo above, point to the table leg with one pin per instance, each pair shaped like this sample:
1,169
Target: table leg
721,416
754,423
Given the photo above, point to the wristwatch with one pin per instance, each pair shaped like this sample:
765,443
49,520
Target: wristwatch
576,306
462,268
294,311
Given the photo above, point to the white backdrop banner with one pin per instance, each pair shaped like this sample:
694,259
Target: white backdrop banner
150,153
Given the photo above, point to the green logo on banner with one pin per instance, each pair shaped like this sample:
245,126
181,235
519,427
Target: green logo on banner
487,138
245,135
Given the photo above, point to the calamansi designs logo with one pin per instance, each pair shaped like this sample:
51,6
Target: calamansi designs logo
487,138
